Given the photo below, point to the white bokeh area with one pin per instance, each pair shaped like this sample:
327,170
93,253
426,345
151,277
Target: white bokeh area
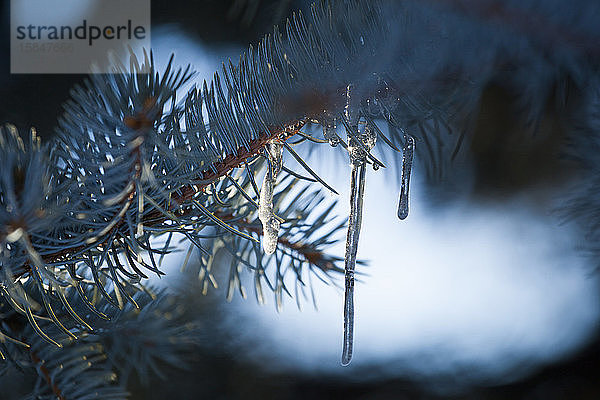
483,293
487,294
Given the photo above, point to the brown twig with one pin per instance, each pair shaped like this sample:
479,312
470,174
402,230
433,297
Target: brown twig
222,168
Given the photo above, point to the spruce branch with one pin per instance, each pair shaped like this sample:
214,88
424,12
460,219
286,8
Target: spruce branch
99,363
80,217
128,169
130,163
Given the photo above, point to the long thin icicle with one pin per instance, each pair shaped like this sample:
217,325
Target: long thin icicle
357,188
265,205
407,159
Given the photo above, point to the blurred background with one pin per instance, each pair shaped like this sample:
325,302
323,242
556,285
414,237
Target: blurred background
484,292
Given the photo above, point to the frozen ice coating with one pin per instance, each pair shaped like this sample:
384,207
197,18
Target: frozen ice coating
265,205
407,159
368,136
270,235
352,108
275,154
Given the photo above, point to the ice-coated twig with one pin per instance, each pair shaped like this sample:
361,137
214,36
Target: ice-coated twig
265,204
407,159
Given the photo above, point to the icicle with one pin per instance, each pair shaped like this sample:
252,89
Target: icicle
407,159
354,223
265,205
357,185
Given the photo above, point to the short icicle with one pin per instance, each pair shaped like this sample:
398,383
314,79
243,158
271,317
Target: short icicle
407,159
265,205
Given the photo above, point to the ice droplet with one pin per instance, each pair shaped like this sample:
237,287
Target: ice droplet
407,159
265,204
330,135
